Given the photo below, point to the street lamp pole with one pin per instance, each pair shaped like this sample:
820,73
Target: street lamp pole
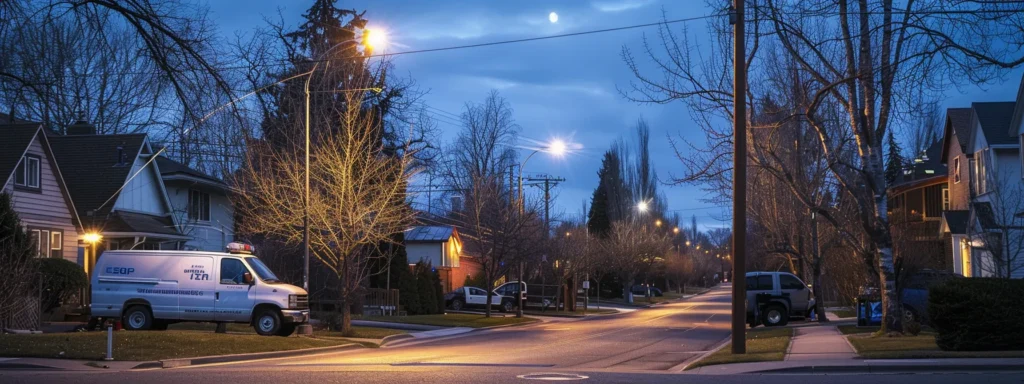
739,180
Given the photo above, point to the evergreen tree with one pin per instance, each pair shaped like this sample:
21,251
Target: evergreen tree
604,199
894,162
438,292
424,286
17,253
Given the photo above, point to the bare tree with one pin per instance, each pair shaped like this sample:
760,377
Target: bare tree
862,57
356,199
632,248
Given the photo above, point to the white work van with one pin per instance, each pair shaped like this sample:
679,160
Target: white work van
151,289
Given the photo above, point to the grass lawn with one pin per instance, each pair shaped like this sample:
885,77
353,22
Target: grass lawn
578,313
921,346
151,345
844,313
763,344
451,320
359,332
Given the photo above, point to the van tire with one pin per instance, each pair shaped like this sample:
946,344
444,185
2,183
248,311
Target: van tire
507,306
267,322
287,329
775,316
137,318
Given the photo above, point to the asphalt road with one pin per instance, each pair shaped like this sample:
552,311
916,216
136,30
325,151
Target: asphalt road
642,346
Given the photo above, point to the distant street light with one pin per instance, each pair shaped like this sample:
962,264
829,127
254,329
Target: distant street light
687,243
676,231
657,223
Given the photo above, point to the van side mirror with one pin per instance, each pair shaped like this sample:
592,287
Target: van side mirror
247,278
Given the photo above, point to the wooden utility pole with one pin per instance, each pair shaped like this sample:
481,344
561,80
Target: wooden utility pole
739,182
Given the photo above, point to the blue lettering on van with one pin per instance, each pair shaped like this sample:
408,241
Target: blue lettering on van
199,276
120,270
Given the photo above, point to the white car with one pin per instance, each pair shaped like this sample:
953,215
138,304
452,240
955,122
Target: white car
152,289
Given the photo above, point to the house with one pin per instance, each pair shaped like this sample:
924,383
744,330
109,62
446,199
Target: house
917,200
201,205
982,229
35,182
441,246
118,191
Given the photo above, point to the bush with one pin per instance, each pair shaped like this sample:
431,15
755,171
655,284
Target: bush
61,281
978,314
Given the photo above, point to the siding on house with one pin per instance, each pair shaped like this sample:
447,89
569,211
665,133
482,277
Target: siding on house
47,208
213,235
959,193
142,194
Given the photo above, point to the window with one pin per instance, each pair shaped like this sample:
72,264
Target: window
790,282
983,171
945,199
47,242
232,271
262,270
956,170
765,283
28,173
477,292
198,205
56,244
751,283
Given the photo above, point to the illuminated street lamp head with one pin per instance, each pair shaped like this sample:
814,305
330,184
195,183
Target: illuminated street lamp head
657,223
92,237
557,147
676,231
375,38
642,206
687,243
567,234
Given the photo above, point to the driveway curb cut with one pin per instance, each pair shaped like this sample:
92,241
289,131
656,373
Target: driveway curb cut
174,363
895,368
720,345
398,337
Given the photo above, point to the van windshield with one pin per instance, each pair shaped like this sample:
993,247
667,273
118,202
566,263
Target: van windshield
261,270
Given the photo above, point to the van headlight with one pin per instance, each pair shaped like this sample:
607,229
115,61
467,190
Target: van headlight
293,301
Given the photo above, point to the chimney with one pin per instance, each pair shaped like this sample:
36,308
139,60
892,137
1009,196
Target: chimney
81,127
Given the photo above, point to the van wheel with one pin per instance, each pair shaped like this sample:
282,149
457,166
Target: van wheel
138,318
775,316
287,330
268,322
507,306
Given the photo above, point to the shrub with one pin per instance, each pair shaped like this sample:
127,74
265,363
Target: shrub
977,314
61,281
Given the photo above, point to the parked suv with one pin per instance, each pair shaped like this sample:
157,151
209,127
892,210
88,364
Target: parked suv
642,289
783,294
914,295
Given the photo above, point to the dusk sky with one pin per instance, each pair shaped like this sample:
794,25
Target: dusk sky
559,88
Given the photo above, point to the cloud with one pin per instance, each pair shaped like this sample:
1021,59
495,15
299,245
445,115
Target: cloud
620,5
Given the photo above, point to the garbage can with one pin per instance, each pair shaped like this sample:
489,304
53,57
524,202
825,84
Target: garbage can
869,311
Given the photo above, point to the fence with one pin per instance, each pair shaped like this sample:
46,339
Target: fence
380,302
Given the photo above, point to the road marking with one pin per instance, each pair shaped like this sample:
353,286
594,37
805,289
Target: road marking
553,376
557,329
8,358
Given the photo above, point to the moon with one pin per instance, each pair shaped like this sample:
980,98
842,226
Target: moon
553,17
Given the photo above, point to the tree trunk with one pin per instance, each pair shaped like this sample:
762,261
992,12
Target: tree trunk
346,317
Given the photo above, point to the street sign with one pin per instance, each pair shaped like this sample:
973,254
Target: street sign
586,284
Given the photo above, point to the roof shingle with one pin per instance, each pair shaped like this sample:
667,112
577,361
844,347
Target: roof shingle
995,121
92,170
14,139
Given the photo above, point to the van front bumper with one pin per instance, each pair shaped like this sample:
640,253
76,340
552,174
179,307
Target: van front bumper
295,315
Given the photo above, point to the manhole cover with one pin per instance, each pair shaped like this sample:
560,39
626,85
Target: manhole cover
553,376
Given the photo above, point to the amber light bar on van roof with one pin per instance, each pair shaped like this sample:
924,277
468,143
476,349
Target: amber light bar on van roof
241,248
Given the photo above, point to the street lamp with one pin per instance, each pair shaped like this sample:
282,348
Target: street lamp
675,230
92,238
558,148
657,223
687,243
642,206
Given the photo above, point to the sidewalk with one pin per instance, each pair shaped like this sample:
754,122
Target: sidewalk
813,343
865,366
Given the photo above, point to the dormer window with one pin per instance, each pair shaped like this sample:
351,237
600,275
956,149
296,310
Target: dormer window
29,172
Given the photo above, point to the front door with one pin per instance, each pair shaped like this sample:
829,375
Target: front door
799,295
476,297
233,296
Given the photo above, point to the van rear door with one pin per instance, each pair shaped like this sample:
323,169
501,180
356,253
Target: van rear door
195,278
234,296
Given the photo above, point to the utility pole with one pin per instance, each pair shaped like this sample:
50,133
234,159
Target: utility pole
739,182
549,182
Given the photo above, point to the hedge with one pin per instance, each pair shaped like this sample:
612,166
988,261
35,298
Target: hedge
978,314
61,280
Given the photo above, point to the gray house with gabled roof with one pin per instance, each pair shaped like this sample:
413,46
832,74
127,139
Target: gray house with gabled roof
118,192
201,205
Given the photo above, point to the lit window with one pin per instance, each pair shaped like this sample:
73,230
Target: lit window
198,205
956,170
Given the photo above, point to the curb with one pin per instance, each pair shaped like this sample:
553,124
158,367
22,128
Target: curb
895,368
398,337
722,344
174,363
